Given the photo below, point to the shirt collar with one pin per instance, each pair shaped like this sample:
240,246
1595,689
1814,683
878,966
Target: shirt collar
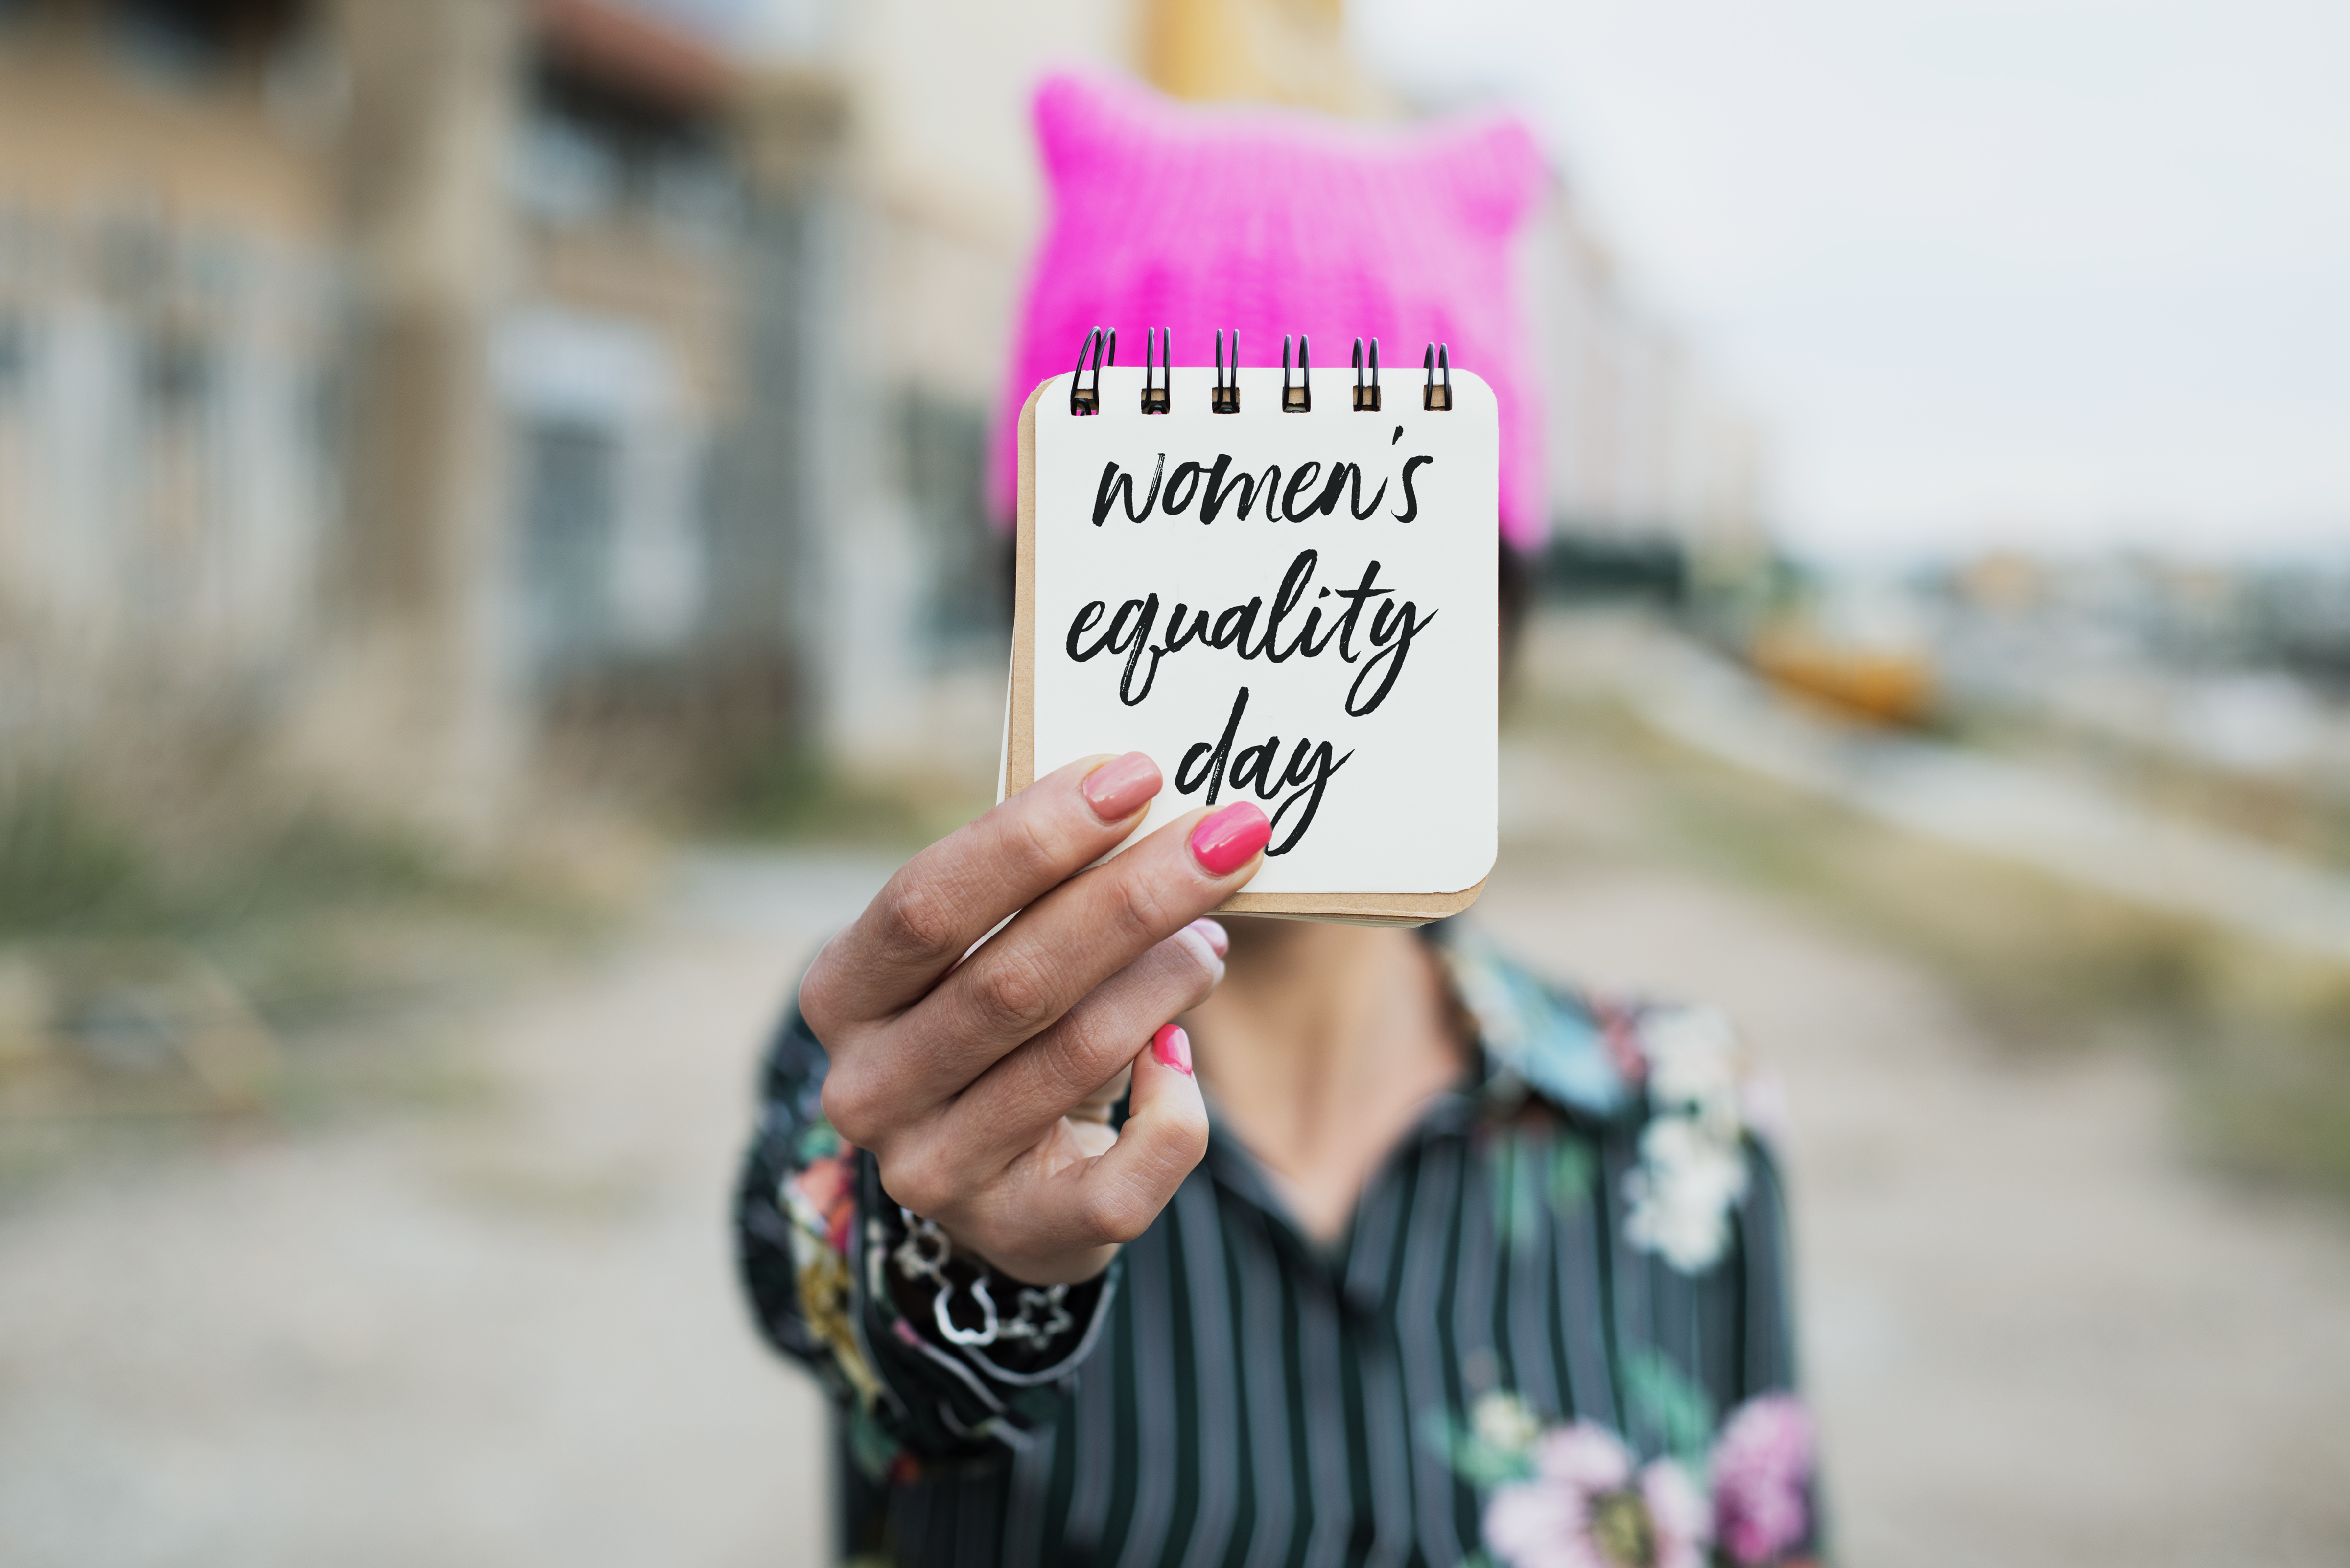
1530,1038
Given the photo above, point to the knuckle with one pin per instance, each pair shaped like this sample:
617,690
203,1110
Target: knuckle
1015,999
1200,971
921,1197
1038,852
1108,1216
1140,908
851,1104
915,914
1081,1055
918,1178
818,1008
1185,1134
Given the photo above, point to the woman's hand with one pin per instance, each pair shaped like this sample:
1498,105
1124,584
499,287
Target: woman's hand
962,1073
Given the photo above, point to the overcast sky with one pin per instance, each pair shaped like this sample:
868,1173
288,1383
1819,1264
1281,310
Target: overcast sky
2052,272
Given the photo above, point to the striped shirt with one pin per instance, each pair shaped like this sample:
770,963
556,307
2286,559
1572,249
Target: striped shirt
1559,1319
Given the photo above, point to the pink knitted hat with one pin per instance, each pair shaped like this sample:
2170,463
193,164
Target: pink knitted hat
1270,222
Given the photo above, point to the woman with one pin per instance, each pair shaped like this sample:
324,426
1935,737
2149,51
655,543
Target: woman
1135,1236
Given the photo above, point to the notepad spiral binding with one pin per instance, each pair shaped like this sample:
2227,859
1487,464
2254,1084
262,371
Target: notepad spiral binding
1100,349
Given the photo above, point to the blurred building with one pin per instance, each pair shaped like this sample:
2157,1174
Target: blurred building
895,196
1654,473
168,301
399,379
360,365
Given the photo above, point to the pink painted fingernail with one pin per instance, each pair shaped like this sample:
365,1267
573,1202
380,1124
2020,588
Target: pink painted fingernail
1122,786
1173,1048
1216,936
1227,840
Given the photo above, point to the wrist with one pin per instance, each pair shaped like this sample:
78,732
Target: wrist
955,1295
1031,1267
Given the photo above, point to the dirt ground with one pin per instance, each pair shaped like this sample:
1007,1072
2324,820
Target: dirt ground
505,1332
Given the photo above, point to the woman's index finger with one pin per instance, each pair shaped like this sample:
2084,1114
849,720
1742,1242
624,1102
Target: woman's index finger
954,893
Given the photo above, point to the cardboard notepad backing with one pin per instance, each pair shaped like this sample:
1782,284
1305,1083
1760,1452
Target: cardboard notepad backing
1297,608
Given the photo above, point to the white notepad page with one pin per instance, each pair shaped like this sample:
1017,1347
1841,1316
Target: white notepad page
1399,782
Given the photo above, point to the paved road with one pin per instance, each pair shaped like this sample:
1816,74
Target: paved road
496,1337
507,1334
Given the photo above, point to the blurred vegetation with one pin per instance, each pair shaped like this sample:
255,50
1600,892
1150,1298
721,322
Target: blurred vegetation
177,939
788,793
2259,1038
730,760
73,864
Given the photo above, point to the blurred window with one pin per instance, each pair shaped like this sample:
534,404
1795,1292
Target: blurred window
595,153
567,174
571,501
15,357
130,258
179,44
945,446
175,374
189,42
691,191
304,83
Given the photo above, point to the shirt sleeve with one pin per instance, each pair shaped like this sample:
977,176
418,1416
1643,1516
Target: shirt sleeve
931,1354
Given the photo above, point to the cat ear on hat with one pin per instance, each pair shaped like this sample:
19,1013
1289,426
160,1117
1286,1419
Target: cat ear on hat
1494,174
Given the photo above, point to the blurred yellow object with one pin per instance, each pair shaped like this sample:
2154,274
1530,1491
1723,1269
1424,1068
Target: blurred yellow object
1256,51
1884,685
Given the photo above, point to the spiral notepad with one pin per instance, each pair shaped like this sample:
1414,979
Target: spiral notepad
1282,585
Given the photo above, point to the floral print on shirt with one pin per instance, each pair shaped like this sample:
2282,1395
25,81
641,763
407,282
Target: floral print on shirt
1692,1169
1704,1096
1574,1495
820,1199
